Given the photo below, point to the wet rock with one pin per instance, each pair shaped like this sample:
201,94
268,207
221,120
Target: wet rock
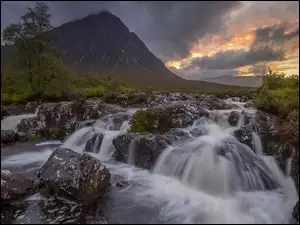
244,135
65,115
296,212
8,136
176,134
197,132
267,125
4,112
116,120
80,124
21,137
178,115
28,126
14,186
211,102
122,144
146,148
79,177
233,118
53,133
94,143
52,211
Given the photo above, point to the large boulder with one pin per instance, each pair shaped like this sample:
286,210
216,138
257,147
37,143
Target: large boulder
162,119
8,136
65,115
235,116
13,110
15,186
94,143
211,102
79,177
144,149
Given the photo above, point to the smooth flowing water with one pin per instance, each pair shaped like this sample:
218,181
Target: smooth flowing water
208,179
11,122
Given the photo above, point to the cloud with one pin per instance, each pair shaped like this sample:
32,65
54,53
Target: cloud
274,35
233,59
169,28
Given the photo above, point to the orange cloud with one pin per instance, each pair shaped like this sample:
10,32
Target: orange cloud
239,37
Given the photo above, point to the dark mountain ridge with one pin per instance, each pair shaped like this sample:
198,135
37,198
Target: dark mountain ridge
101,43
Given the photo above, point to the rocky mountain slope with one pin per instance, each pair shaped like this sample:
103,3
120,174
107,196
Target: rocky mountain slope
102,43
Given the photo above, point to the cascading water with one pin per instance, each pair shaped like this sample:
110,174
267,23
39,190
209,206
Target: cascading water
208,179
11,122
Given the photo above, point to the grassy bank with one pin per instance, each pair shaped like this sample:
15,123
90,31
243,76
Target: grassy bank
16,89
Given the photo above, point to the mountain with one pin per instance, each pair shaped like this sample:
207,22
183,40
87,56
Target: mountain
245,81
101,43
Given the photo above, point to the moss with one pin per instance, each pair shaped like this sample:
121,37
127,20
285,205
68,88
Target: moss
145,120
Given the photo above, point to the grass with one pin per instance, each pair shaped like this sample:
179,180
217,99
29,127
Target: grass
16,89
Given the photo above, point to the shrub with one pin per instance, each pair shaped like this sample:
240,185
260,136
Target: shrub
145,120
97,91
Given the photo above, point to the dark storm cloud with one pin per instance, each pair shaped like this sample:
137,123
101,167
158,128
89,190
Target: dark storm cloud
275,35
169,28
237,58
179,25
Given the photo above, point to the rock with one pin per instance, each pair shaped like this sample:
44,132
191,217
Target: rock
4,112
179,115
21,137
116,120
121,144
94,143
211,102
60,119
249,104
296,212
146,148
197,132
233,118
80,124
28,126
244,135
53,133
176,134
8,136
79,177
14,186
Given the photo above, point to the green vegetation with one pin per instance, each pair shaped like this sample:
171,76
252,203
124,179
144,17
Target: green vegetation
144,120
279,94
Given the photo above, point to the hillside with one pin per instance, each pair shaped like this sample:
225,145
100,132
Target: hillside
101,43
246,81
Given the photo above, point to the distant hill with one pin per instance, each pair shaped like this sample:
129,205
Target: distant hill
101,43
245,81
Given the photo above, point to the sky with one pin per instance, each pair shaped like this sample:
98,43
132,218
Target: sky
197,39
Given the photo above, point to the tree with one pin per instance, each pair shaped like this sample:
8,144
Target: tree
31,39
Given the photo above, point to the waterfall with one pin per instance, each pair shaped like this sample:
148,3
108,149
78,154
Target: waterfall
212,178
